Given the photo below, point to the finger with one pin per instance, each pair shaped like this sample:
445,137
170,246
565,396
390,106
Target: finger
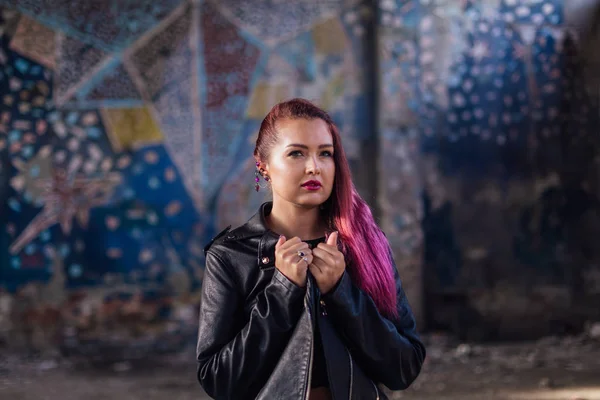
318,263
333,251
309,258
292,254
315,269
283,248
303,262
297,247
280,242
324,255
291,242
332,239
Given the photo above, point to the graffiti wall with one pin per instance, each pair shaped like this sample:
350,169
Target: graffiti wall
126,135
491,109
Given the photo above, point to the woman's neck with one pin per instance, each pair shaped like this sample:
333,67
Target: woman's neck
291,220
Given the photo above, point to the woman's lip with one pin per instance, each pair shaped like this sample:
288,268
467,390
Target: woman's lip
312,184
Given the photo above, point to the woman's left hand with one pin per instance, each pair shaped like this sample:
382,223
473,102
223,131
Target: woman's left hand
328,264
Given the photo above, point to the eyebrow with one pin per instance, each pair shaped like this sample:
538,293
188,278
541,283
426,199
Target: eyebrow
306,147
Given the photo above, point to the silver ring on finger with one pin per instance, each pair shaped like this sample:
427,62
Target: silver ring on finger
305,259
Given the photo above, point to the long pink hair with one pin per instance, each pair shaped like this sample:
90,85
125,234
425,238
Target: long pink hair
365,247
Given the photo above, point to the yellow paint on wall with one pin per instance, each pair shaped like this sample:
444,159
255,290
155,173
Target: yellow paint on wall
264,96
333,90
130,128
329,37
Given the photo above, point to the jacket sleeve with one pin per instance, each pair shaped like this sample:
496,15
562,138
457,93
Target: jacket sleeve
237,348
388,350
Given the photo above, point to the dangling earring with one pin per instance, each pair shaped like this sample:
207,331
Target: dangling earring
257,176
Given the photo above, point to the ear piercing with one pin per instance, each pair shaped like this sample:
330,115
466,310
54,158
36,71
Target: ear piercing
257,174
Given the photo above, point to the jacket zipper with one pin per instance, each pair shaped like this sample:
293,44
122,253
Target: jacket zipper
312,348
376,390
351,374
323,308
310,361
324,313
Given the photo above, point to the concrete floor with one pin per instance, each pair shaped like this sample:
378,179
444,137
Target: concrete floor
550,369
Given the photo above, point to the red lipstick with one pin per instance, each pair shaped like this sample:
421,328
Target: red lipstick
312,185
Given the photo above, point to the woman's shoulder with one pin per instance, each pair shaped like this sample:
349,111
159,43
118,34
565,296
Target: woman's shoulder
217,239
234,251
229,240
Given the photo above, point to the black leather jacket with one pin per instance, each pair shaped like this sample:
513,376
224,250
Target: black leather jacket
256,328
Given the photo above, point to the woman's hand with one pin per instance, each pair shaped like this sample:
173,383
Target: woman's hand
289,262
328,264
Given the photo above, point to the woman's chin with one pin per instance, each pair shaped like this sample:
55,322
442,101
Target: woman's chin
312,199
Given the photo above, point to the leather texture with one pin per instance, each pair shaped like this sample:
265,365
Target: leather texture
255,338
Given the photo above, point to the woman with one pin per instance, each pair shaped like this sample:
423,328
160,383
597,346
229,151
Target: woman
304,301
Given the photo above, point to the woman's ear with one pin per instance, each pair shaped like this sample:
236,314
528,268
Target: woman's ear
262,170
265,173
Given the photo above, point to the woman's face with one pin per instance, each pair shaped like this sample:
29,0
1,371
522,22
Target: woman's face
301,167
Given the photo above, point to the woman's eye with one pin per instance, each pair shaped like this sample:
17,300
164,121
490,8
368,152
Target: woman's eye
295,153
326,154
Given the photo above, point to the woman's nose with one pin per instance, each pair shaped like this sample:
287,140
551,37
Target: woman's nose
312,166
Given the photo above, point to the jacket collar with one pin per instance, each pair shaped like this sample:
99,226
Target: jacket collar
257,224
257,227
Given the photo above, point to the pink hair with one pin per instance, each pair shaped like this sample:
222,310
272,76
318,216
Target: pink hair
364,245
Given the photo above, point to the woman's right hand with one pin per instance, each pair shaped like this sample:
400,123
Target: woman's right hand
289,263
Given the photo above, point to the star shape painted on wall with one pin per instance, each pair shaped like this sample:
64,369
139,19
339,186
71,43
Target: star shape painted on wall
64,199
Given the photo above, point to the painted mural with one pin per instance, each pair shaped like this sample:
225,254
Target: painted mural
126,136
490,108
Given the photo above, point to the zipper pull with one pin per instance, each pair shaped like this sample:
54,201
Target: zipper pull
323,308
